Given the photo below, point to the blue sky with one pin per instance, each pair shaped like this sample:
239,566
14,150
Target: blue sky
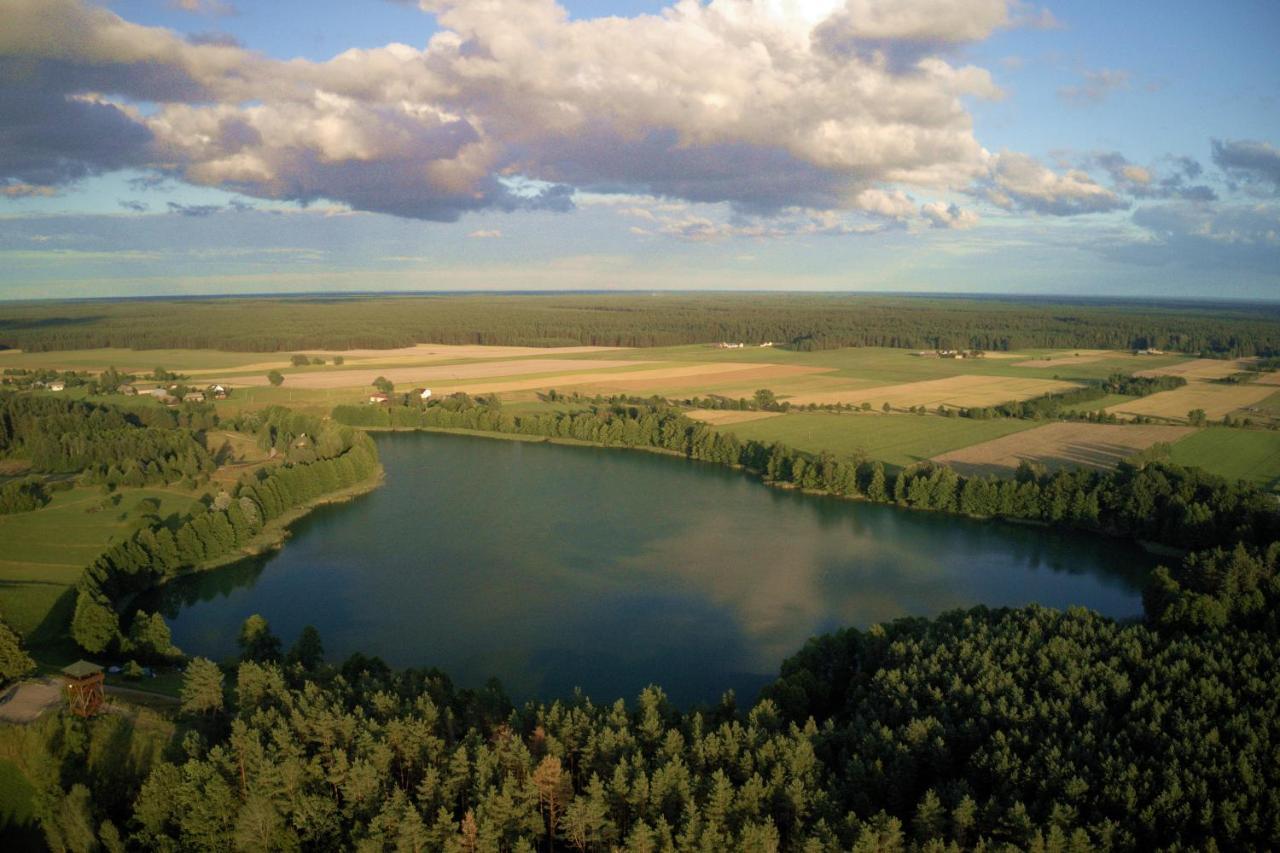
211,146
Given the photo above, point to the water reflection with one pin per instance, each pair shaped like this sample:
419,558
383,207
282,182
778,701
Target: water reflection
554,567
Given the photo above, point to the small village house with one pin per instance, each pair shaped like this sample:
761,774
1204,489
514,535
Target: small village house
379,399
57,385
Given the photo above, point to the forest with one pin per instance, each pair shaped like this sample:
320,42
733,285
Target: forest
319,458
799,321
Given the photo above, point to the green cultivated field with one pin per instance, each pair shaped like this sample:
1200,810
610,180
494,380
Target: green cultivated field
1237,454
43,552
896,440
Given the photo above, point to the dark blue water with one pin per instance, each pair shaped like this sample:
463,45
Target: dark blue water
555,567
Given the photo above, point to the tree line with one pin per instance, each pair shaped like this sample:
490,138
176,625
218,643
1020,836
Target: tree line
319,458
799,321
1144,498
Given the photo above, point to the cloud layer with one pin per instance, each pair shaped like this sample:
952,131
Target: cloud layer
804,117
764,104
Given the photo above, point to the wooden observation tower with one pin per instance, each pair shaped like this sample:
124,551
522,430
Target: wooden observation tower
84,688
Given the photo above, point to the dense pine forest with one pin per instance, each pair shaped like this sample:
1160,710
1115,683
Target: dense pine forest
801,321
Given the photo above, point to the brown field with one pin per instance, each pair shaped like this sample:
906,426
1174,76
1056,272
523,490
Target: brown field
1199,368
1060,445
956,391
1272,379
1216,400
720,417
1073,357
437,375
707,376
698,377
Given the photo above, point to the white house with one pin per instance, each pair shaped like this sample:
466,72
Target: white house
425,395
57,385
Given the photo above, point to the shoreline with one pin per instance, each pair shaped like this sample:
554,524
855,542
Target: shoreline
1154,548
276,532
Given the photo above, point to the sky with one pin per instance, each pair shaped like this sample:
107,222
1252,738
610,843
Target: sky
155,147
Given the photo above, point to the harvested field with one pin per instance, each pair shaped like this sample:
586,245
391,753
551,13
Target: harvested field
956,391
437,375
705,376
695,377
1065,358
1272,378
1216,400
1199,368
720,417
1060,445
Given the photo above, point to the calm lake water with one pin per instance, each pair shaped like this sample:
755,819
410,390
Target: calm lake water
555,567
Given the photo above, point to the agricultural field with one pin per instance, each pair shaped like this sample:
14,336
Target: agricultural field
897,440
1237,454
1215,399
1060,445
45,550
720,417
1200,368
962,391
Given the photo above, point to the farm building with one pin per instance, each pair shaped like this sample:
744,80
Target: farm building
217,392
424,394
193,397
57,385
379,399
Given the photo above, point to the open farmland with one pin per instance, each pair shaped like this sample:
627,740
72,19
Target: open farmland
1216,400
897,440
1200,368
720,417
1066,358
1060,445
1237,454
437,375
954,391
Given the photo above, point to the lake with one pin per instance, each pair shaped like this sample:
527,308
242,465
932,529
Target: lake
554,567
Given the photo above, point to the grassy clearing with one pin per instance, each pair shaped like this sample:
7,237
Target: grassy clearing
897,440
44,551
1237,454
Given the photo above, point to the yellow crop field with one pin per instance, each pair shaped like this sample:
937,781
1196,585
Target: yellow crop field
1216,400
1060,445
721,417
954,391
1199,368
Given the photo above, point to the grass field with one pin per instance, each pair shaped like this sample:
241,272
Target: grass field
44,551
1065,444
897,440
1237,454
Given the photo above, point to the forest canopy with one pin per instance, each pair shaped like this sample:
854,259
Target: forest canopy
801,321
